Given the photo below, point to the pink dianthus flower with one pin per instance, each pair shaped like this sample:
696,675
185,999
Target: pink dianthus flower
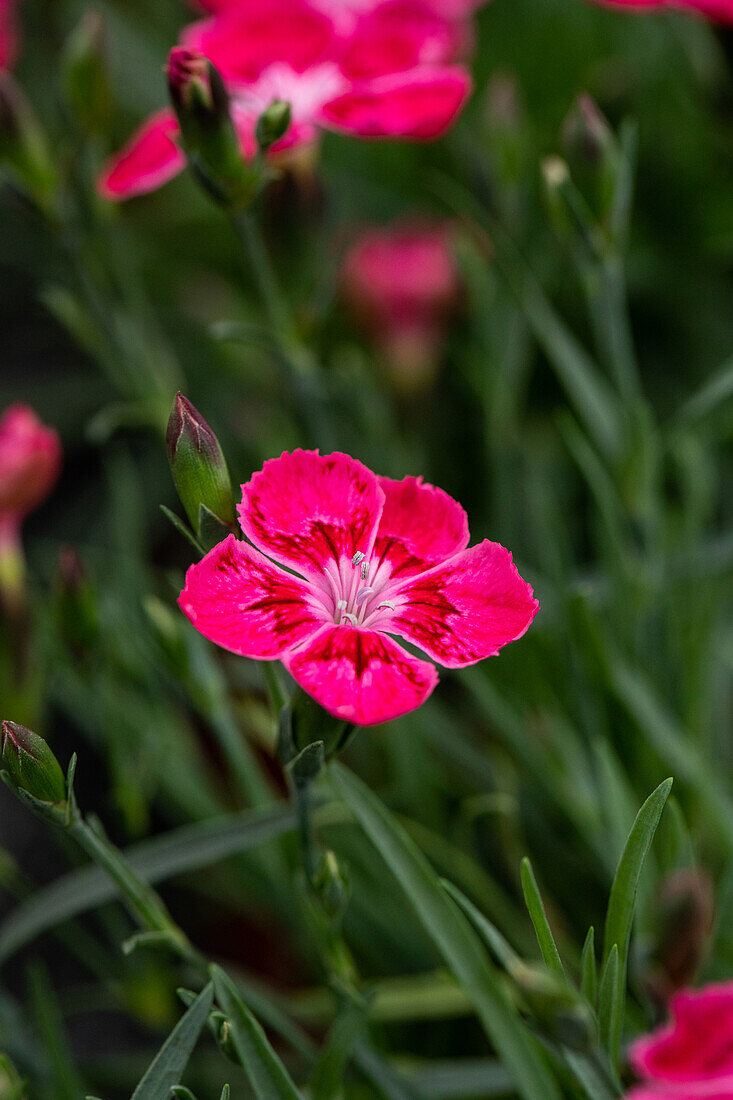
376,82
340,562
30,460
691,1057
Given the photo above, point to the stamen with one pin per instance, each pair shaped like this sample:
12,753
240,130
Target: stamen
364,569
386,603
350,617
357,558
342,605
363,594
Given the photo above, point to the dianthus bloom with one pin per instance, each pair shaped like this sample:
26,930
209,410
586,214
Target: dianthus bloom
376,82
342,561
8,33
721,10
691,1058
30,459
403,283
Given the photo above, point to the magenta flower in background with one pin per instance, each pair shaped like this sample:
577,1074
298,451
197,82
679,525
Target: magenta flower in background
690,1058
342,561
721,10
9,34
368,84
402,282
30,461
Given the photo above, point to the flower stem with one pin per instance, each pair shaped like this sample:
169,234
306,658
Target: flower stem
262,268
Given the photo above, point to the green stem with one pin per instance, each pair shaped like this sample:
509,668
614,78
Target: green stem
302,797
264,273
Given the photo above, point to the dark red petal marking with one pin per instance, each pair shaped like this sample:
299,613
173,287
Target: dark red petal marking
308,510
238,599
361,676
420,527
468,608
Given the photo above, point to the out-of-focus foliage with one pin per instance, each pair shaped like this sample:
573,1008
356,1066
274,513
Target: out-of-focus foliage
604,465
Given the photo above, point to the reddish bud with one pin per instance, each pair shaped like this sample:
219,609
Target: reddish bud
30,460
31,765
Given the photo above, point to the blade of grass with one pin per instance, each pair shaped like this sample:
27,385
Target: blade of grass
452,935
589,969
266,1073
620,913
545,938
170,1062
181,850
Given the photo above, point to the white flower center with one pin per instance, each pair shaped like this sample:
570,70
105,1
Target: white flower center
355,594
306,92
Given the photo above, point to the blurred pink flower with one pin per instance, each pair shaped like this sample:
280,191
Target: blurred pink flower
721,10
690,1058
9,35
370,84
357,559
30,460
403,283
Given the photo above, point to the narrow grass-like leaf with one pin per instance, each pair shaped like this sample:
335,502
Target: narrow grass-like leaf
608,998
596,1078
469,1077
170,1062
328,1077
490,934
453,937
50,1025
390,1084
589,969
179,851
225,1093
266,1073
620,913
545,938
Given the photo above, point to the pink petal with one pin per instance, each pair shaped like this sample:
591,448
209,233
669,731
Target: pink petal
243,41
360,675
399,35
420,526
309,510
239,600
420,104
150,158
697,1045
466,609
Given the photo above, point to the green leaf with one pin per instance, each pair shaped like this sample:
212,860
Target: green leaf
181,850
391,1085
50,1025
328,1077
608,998
620,914
545,938
453,937
267,1074
489,933
593,1075
589,968
225,1093
183,529
170,1062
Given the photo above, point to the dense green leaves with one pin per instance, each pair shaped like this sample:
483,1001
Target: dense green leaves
452,936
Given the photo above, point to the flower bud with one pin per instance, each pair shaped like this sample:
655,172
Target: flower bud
558,1009
585,131
30,459
31,765
685,919
198,465
76,602
201,103
85,74
273,124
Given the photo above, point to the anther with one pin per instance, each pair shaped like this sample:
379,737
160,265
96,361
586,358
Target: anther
364,570
351,618
358,557
363,594
386,603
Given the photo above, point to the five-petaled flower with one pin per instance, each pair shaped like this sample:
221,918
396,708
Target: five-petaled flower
384,79
339,562
30,460
690,1058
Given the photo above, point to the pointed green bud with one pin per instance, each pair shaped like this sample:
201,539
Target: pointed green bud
31,765
198,465
85,80
273,124
201,102
560,1012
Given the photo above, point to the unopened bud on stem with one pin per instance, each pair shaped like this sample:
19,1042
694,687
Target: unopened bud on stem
198,465
31,765
273,124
